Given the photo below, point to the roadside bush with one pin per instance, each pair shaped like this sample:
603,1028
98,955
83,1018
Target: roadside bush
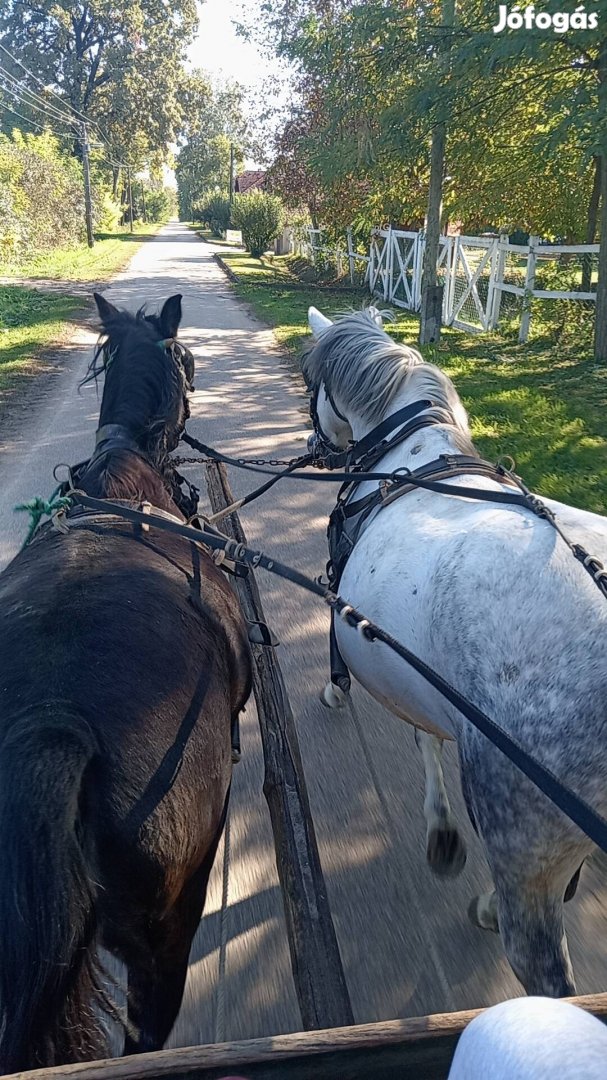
107,212
259,217
160,205
216,214
42,196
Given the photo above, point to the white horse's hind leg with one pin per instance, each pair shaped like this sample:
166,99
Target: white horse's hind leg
445,849
533,934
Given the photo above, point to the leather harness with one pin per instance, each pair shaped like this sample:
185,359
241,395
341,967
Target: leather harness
350,515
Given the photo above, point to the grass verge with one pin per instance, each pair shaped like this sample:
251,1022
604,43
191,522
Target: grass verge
543,404
32,320
110,254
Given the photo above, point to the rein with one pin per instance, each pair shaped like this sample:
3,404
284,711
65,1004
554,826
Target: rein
572,805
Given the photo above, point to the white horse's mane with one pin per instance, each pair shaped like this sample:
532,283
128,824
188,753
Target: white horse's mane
365,368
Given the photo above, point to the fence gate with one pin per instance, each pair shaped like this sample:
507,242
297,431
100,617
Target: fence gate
470,283
379,267
407,257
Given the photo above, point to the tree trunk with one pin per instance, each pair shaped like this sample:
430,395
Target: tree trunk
600,327
429,329
593,214
430,325
600,318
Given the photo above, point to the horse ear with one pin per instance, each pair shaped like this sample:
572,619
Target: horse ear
375,315
318,322
106,310
170,316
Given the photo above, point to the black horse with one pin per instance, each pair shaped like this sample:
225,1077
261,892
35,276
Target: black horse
123,661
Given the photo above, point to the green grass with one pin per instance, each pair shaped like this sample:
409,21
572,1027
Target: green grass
206,234
110,254
31,320
543,404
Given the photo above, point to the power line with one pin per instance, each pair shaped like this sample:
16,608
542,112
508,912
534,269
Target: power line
14,112
81,116
20,97
57,131
36,101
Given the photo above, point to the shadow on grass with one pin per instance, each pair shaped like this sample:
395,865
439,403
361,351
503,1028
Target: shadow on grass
127,237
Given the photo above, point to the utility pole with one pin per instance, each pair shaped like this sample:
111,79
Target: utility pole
432,294
231,172
145,213
129,196
88,206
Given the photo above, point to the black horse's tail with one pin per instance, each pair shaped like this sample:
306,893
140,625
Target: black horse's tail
48,980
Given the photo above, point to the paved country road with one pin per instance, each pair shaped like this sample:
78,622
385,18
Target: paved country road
406,943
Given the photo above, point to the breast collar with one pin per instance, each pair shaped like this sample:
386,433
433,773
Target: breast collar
350,515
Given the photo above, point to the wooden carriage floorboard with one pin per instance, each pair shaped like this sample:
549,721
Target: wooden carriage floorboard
419,1048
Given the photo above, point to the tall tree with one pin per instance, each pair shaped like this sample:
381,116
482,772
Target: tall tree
214,120
118,64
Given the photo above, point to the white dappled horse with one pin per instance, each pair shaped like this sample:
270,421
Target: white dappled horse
493,599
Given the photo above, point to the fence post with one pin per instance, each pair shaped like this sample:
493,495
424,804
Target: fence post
498,273
388,266
451,282
371,264
418,262
523,333
312,247
449,240
350,254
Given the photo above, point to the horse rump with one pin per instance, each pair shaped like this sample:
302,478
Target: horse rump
50,994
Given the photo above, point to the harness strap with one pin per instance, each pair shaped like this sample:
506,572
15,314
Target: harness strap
429,476
376,437
571,804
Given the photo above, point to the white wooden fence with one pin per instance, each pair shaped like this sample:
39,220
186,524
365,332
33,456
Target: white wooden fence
312,246
475,272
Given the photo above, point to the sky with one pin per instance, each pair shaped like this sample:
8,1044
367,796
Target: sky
220,51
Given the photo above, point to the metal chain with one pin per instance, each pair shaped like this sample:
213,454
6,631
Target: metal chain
240,461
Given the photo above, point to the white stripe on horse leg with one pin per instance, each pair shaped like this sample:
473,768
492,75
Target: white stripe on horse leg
445,849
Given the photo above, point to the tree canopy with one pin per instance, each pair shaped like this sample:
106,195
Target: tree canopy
120,65
525,118
214,120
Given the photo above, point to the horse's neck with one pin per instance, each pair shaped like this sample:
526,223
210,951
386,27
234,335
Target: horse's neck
123,474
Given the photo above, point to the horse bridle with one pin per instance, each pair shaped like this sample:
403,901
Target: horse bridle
319,444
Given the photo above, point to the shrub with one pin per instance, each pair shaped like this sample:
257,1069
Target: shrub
259,217
107,213
42,196
160,205
216,214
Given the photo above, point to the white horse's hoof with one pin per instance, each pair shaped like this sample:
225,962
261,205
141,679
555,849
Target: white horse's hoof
333,697
482,912
445,852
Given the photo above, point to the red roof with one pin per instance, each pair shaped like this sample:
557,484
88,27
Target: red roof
251,180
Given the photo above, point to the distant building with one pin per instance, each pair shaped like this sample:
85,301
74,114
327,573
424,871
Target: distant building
251,180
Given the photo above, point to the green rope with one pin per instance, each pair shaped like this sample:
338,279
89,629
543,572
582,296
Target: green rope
38,508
